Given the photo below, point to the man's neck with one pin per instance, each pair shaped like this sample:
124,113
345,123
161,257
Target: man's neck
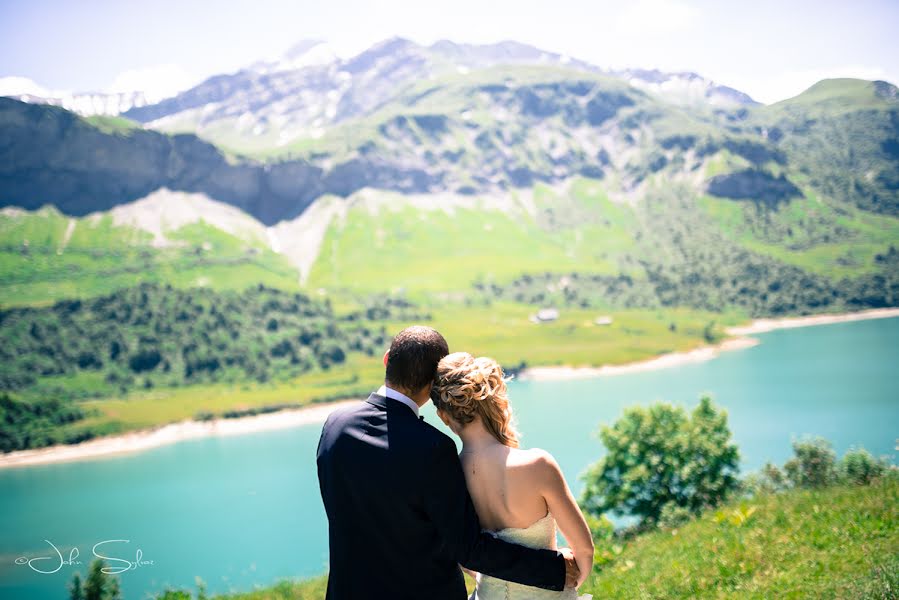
401,397
420,401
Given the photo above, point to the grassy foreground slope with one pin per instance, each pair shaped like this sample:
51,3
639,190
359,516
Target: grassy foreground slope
839,542
836,542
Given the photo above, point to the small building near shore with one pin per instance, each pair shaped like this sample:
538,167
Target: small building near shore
545,315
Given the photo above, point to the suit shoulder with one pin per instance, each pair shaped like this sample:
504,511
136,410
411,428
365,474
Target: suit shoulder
343,413
437,438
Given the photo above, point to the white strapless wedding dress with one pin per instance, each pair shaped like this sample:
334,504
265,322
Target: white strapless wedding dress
541,534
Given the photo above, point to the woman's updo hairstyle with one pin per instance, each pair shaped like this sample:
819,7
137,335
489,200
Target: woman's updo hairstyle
466,386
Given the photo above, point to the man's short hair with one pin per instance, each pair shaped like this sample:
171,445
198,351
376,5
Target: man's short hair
413,357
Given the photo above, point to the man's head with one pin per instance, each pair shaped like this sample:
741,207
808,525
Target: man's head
411,361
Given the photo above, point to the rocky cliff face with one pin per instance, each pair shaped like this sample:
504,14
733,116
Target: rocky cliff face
52,156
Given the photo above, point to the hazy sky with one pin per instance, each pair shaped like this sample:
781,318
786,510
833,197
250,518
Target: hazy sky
771,49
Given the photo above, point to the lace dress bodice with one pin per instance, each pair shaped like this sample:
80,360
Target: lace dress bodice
541,534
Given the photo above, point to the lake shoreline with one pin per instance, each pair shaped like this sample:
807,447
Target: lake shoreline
740,340
147,439
662,361
765,325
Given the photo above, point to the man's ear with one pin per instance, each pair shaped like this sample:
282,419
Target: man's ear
385,356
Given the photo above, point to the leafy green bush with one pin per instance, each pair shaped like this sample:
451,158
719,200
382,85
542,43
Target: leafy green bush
814,463
97,586
769,480
858,466
673,516
659,456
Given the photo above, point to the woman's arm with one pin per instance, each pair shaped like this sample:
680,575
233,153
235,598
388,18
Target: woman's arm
564,508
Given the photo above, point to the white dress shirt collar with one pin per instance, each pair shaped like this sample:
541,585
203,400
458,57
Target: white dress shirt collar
392,393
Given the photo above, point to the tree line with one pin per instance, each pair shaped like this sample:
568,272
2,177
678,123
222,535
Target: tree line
153,335
713,280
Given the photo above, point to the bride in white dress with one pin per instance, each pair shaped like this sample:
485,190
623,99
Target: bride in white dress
520,495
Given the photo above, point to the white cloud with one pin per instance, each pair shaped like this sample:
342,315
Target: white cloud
157,82
14,86
656,16
780,86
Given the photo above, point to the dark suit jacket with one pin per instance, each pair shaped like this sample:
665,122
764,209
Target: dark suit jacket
399,514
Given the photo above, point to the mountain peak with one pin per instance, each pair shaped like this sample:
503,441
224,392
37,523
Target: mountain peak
391,44
844,90
684,87
390,47
305,53
302,47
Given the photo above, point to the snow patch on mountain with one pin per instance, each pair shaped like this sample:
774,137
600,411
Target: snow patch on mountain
133,88
685,88
307,53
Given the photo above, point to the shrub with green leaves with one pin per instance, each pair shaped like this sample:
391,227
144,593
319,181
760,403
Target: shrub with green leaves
813,463
769,480
661,456
673,515
858,466
98,585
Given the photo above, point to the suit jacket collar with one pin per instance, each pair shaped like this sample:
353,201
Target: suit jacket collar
396,395
383,402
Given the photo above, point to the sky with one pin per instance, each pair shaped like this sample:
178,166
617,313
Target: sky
770,49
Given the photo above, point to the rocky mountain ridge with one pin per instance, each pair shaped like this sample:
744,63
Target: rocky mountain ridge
484,132
310,90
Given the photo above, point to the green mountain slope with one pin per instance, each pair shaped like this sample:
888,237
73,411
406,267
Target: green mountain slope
572,245
842,136
46,256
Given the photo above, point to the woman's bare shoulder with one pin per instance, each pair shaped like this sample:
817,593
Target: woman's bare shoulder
539,464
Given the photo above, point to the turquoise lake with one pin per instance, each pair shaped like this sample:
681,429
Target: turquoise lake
244,511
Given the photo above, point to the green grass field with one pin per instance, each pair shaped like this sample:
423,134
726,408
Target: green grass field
444,248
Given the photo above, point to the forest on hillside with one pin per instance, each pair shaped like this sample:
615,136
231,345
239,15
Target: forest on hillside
152,335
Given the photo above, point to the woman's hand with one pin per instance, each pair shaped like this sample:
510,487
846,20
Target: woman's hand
585,565
572,570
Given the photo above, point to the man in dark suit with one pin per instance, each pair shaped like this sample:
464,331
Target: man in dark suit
400,517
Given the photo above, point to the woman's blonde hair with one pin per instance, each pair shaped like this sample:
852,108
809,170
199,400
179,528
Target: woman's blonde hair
466,386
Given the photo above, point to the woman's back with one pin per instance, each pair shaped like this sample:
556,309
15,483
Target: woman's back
503,483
